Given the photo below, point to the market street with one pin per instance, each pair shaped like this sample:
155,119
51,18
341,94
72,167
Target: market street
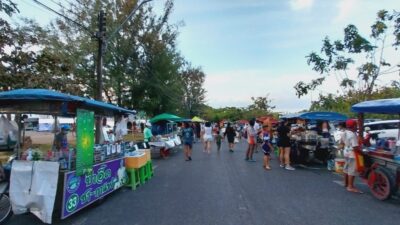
222,188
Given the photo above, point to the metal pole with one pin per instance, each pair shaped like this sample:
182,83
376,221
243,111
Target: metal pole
100,39
99,97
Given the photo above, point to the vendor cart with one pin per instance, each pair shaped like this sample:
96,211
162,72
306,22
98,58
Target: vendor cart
309,141
381,167
74,178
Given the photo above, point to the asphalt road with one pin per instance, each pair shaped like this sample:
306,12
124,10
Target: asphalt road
222,188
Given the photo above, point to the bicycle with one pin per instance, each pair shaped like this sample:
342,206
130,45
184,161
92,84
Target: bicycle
5,203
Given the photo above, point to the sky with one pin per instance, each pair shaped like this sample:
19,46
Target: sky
258,47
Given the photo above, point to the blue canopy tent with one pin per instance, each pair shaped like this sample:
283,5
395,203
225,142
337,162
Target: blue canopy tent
42,101
329,116
381,106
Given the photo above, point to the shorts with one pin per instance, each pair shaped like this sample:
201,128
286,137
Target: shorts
208,138
283,143
188,143
266,149
350,167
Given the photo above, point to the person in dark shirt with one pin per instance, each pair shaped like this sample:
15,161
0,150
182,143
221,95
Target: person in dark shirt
187,135
284,145
230,133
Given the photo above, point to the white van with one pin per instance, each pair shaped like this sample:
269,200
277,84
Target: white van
384,128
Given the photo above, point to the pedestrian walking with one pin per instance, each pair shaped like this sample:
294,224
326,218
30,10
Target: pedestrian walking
188,136
284,145
230,133
251,140
258,139
266,146
207,137
350,141
218,136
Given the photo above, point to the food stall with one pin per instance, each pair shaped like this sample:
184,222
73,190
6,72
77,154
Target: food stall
381,164
165,132
312,135
58,183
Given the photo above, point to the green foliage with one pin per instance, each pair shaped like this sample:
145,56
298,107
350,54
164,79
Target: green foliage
261,106
337,56
193,91
343,103
262,103
142,67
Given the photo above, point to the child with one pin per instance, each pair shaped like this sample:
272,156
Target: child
267,147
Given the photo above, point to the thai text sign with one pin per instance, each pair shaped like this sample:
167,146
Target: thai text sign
81,191
85,141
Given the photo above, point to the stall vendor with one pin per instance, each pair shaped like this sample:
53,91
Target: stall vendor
61,141
147,133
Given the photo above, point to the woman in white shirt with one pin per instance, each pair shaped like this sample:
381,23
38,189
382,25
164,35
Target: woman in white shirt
207,136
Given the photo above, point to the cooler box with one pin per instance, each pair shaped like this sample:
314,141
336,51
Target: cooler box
135,162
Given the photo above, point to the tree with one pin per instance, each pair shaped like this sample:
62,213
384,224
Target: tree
343,103
262,103
337,56
22,65
193,91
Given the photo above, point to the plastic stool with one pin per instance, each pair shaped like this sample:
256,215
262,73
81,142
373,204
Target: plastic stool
143,174
134,178
149,168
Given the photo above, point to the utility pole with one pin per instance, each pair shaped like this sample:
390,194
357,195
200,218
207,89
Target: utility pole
100,35
100,38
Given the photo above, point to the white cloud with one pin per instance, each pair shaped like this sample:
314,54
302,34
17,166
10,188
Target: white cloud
301,4
345,9
235,88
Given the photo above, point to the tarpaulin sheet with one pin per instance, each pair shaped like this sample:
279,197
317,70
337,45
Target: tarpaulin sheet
33,187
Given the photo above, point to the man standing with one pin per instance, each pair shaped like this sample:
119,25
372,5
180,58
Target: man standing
350,146
147,132
61,141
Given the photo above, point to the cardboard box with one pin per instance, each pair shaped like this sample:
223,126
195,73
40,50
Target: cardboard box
135,162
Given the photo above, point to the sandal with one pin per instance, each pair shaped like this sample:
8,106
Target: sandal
354,190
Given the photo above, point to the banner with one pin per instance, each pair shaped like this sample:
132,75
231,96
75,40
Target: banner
81,191
84,141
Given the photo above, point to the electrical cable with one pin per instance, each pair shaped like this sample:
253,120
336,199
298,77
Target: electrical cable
63,16
64,8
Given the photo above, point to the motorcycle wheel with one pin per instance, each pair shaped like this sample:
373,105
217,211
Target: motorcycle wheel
5,208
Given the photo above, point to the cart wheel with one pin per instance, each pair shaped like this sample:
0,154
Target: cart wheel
381,183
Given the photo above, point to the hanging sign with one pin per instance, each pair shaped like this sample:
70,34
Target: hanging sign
84,141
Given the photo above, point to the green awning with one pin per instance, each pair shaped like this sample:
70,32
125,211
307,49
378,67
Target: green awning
165,116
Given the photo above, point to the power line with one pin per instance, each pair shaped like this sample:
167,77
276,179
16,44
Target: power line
127,18
63,16
27,2
65,8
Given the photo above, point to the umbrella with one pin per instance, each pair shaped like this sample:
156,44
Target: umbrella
198,119
165,116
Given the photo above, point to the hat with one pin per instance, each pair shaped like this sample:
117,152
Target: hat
367,128
64,127
350,123
148,124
